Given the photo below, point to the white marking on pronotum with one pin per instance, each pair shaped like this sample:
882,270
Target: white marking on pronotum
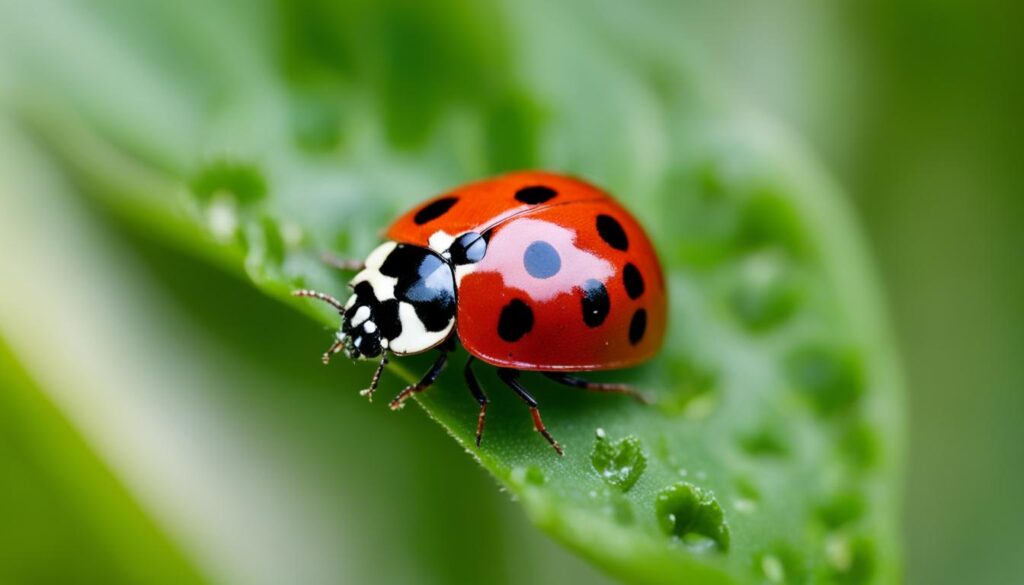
362,314
370,327
383,286
440,241
414,337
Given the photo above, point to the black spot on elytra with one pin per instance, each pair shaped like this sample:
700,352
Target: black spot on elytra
434,210
542,260
535,194
611,232
425,281
516,320
468,248
633,280
637,326
595,303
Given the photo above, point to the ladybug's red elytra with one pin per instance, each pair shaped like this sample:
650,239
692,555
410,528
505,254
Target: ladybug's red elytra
531,271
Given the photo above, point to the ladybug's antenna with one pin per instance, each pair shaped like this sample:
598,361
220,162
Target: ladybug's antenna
322,296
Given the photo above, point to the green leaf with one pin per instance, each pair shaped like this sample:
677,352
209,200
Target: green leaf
269,137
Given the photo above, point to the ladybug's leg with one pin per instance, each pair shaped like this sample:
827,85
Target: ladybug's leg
368,392
511,378
481,398
346,264
337,346
577,382
428,379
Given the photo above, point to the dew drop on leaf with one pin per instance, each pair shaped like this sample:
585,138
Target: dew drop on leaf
621,463
692,515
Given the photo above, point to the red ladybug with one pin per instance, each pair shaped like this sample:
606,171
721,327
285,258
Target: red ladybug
533,271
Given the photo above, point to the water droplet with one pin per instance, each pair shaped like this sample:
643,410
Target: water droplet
851,560
781,564
745,506
621,463
222,217
831,378
692,515
525,476
772,569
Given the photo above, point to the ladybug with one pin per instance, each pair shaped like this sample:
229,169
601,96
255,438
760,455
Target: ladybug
531,271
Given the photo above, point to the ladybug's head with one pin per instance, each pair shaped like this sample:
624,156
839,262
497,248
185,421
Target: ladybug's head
403,301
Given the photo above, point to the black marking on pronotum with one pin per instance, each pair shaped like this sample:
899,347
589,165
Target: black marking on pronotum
516,320
541,260
535,194
633,280
637,326
425,281
434,210
595,303
611,232
468,248
387,319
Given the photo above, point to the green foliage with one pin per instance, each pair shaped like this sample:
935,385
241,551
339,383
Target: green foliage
265,137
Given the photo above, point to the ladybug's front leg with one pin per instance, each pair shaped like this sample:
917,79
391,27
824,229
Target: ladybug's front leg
511,378
368,392
428,380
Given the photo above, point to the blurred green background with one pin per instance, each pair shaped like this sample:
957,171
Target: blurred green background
154,429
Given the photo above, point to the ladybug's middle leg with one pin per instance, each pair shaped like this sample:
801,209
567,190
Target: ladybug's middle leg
577,382
426,382
345,264
511,378
481,398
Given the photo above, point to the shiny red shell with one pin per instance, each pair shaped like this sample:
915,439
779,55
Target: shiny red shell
580,263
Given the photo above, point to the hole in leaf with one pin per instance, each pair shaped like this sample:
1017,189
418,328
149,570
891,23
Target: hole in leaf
692,515
765,442
765,294
841,509
768,220
831,378
860,446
